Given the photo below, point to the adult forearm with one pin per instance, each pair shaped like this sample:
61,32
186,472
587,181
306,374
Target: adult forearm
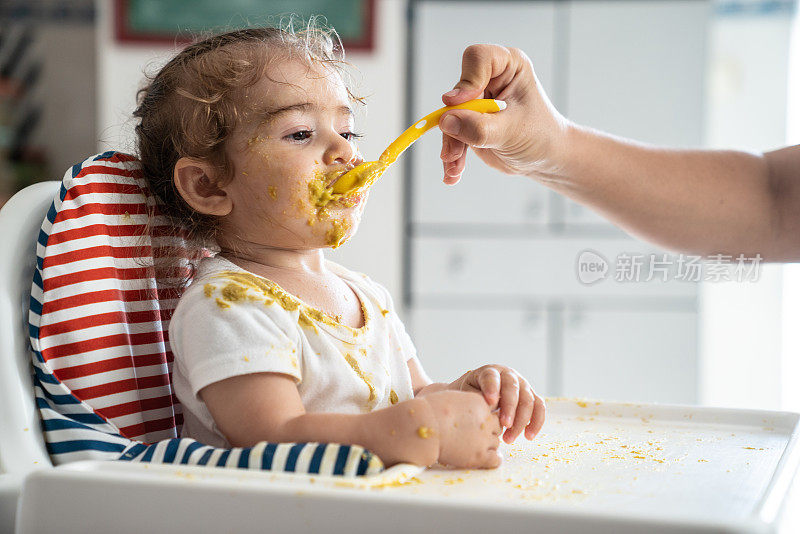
697,201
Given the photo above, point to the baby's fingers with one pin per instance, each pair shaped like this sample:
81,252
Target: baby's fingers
489,459
490,383
509,397
523,415
539,410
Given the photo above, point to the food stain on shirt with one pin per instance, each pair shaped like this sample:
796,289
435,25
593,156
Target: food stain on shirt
393,397
233,292
236,290
357,368
208,290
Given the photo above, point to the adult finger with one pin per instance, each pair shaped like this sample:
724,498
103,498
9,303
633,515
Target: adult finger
454,170
454,154
479,64
480,130
539,412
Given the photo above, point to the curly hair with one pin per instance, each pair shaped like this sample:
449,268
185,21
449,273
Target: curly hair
192,105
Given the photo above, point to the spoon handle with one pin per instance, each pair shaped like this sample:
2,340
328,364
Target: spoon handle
399,145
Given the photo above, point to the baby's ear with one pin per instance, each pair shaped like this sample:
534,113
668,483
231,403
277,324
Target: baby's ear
196,182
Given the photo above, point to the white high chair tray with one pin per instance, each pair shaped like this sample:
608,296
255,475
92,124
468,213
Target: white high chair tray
596,466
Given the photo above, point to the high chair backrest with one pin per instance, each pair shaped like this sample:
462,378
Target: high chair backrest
21,444
98,326
99,315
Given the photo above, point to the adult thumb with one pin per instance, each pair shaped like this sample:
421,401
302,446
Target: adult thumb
479,130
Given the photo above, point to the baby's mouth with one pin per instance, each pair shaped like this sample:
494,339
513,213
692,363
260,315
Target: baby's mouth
337,175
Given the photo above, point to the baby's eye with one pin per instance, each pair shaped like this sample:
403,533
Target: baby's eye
351,136
302,135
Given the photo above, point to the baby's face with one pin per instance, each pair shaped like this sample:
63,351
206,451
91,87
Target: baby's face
295,140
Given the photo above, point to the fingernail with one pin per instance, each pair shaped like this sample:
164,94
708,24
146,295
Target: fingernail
452,92
450,125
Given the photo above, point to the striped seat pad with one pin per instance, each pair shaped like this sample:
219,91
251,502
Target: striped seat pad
101,324
109,272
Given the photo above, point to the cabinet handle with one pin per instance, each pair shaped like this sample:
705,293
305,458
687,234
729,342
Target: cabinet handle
533,209
532,320
456,262
575,318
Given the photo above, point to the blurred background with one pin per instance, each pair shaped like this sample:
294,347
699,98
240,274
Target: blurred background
487,271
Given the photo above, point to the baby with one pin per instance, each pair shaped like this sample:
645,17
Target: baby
241,136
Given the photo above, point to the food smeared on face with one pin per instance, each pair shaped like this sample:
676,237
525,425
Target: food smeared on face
321,196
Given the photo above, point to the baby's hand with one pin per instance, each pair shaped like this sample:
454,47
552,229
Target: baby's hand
468,431
502,387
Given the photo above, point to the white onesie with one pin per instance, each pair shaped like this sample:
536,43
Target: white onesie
231,322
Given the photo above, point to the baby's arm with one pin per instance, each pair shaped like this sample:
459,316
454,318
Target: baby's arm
267,407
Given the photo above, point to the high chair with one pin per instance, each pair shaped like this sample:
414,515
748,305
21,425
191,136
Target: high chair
94,324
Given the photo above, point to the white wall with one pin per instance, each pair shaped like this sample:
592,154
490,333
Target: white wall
376,249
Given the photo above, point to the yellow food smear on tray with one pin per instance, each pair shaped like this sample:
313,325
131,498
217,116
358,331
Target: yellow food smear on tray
236,290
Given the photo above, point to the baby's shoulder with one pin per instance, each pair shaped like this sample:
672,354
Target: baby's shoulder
222,288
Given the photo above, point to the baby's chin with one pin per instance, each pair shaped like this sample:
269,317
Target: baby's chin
340,230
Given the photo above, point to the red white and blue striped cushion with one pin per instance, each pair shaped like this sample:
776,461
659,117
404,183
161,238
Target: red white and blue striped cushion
99,319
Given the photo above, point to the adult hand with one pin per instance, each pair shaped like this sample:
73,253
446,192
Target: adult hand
525,138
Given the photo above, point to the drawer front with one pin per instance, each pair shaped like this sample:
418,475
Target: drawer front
451,341
646,356
538,267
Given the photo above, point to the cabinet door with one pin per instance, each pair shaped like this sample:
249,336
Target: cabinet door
451,341
647,355
547,267
441,32
636,68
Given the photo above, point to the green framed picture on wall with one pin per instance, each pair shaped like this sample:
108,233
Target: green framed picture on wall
177,21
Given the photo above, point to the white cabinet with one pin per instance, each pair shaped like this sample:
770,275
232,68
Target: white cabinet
453,340
484,253
647,355
636,68
443,30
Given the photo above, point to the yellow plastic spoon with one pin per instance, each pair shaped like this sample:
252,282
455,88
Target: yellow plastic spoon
364,175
